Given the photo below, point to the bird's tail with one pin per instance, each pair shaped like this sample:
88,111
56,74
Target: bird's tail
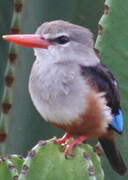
113,155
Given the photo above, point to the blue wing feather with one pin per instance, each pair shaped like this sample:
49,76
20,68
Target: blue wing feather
118,121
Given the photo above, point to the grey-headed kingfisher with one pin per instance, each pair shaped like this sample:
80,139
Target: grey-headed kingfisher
71,89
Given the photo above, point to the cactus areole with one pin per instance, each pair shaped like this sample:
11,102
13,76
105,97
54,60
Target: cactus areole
71,88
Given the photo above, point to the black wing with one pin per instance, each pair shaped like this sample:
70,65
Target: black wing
100,77
103,80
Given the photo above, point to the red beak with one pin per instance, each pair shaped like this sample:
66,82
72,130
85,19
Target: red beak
29,40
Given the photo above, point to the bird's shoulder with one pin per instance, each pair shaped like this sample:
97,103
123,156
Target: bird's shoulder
101,78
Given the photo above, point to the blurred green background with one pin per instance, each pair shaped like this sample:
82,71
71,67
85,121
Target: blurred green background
24,125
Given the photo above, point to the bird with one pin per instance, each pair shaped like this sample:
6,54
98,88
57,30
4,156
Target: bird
72,89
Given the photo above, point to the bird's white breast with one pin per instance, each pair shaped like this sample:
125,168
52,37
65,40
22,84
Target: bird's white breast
58,91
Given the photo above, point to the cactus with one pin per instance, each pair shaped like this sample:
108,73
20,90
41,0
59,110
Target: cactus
4,16
111,45
47,161
10,167
9,75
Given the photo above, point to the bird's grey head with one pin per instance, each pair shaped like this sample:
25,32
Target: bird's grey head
68,42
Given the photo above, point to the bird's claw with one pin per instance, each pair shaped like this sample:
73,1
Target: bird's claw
63,139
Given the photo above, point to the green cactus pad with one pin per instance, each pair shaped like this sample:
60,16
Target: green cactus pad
47,161
10,166
17,160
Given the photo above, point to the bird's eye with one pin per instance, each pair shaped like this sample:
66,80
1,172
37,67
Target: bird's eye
62,39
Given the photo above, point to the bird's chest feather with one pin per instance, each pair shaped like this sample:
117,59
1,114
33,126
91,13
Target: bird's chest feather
58,91
63,96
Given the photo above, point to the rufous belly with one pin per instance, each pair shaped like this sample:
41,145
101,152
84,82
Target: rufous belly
94,122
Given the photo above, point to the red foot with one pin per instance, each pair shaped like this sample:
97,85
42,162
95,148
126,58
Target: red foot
63,139
74,142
